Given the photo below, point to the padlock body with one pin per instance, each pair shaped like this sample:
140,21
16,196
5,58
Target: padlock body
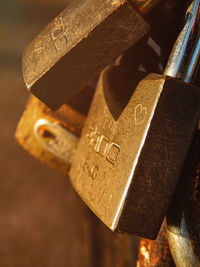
85,38
51,137
126,169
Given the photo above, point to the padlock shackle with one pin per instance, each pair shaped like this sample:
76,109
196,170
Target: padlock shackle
184,58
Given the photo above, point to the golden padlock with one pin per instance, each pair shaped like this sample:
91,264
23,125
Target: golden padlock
85,38
127,165
52,137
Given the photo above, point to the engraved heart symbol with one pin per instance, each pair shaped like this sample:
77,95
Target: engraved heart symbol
140,114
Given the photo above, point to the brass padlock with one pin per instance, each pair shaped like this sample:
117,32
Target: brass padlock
85,38
52,137
126,167
183,216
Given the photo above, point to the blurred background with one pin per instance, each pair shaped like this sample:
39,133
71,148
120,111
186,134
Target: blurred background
36,218
42,221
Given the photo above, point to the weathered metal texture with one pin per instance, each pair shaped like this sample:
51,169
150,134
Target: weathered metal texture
126,168
37,140
155,253
85,38
183,218
50,136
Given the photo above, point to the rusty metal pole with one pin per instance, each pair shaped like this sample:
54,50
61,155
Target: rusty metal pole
155,253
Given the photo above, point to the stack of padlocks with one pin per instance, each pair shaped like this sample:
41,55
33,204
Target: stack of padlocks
137,138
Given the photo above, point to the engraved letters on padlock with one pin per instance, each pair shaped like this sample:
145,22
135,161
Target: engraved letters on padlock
126,169
153,136
85,38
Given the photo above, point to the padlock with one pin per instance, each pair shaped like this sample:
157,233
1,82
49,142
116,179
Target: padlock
85,38
128,163
183,217
52,137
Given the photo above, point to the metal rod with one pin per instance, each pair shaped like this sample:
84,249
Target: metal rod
184,59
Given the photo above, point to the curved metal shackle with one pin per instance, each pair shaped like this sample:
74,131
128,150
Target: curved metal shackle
184,58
